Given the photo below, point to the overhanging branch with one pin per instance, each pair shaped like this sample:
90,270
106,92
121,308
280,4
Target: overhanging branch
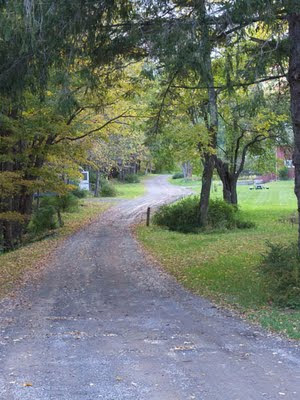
237,85
111,121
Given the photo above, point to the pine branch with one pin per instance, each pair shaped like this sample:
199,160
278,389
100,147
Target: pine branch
236,85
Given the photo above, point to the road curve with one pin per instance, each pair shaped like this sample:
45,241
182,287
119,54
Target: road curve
103,322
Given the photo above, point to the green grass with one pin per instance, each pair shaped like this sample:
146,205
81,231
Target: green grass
224,265
279,196
131,190
194,182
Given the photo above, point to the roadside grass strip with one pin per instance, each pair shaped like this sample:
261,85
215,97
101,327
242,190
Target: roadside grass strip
32,257
223,266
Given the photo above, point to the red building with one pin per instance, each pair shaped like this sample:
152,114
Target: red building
285,154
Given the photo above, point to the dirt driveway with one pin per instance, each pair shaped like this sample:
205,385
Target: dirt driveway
103,322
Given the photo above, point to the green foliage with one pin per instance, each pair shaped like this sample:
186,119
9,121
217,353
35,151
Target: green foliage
79,193
132,178
178,175
240,224
221,215
43,219
281,270
49,99
64,203
182,216
48,215
283,174
107,190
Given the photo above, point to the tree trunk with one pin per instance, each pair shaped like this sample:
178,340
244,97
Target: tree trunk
205,189
294,82
229,181
206,72
189,169
184,169
97,186
9,226
209,159
234,198
59,217
8,239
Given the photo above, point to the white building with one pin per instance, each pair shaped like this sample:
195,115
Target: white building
84,183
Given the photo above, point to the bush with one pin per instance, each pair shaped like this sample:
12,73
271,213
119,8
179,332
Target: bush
221,215
178,175
283,174
48,215
240,224
183,216
42,220
79,193
280,268
107,190
65,203
132,178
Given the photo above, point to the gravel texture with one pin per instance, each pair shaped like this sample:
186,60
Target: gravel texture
102,321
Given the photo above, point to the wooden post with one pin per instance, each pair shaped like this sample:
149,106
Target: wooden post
148,216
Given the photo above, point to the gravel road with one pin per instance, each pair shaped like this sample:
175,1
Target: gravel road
103,322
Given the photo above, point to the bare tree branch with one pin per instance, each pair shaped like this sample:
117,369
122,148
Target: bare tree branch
111,121
163,101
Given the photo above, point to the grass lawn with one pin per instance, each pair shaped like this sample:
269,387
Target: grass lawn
192,183
131,190
32,256
223,265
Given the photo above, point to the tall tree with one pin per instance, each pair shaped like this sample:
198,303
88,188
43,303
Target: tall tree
250,120
31,122
294,81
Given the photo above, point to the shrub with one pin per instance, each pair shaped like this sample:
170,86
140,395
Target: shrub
132,178
107,190
79,193
183,216
221,215
43,219
178,175
48,215
65,203
283,173
240,224
280,268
